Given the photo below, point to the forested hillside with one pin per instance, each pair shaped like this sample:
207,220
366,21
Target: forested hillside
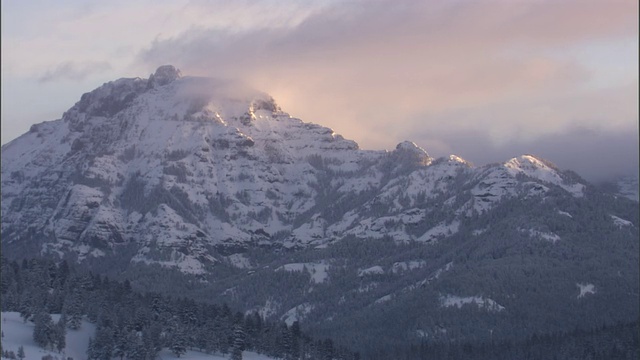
131,325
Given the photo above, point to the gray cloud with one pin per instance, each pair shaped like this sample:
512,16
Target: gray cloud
595,155
75,71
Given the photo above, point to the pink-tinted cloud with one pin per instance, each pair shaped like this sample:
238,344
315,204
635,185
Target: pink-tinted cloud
383,71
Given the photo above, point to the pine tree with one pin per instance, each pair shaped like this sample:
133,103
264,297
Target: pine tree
121,346
21,354
91,350
26,309
73,309
328,350
178,342
139,352
102,346
295,340
238,342
43,329
60,333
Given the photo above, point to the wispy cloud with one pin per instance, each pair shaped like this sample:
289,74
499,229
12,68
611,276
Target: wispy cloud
74,71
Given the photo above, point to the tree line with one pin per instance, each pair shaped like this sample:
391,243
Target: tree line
137,326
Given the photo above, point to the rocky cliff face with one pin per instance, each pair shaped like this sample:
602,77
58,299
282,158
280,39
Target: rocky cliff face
184,170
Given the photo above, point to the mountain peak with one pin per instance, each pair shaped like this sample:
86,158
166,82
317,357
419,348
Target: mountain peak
544,170
165,74
530,162
413,153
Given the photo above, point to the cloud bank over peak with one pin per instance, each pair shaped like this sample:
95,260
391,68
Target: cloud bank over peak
376,71
380,72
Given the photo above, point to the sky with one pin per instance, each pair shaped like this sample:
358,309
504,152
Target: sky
483,79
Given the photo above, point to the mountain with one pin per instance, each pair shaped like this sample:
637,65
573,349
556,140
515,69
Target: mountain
185,168
210,183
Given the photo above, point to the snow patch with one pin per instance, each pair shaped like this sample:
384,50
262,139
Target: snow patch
239,261
374,270
436,275
620,222
481,302
269,309
383,299
585,289
318,271
564,213
399,267
297,313
440,231
542,235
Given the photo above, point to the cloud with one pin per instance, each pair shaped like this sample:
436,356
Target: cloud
383,71
376,71
75,71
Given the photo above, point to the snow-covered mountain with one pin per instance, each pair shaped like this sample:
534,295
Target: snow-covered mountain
183,169
171,177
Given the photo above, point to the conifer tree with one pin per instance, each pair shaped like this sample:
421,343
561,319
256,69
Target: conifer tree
43,331
60,333
178,342
73,309
102,344
238,342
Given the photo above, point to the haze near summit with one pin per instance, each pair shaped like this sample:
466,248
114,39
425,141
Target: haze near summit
486,80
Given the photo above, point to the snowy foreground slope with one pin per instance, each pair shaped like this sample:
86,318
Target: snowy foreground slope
18,333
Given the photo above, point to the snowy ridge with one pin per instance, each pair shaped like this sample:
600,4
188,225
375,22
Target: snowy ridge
542,170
